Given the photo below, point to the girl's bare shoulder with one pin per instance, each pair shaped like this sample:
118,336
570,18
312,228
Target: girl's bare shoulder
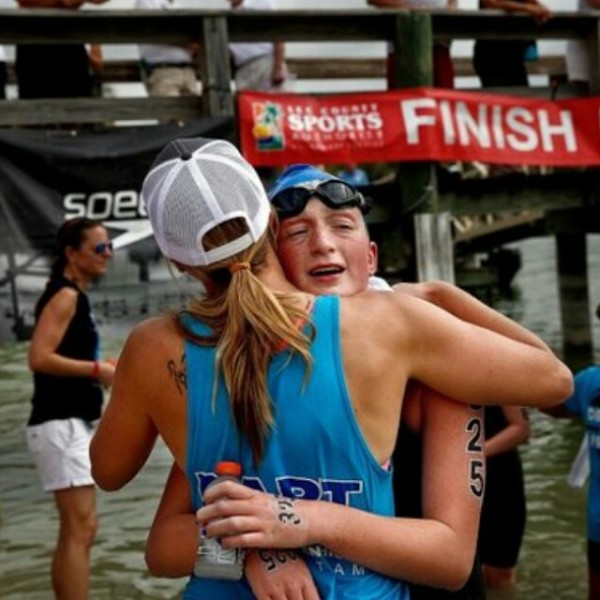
385,315
382,305
153,336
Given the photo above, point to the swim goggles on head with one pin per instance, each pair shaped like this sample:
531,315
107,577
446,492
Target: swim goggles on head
334,194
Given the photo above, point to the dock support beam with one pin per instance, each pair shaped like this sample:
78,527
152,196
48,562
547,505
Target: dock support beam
571,253
215,69
434,247
413,67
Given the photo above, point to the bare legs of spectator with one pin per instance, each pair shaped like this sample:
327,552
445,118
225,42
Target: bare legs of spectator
78,525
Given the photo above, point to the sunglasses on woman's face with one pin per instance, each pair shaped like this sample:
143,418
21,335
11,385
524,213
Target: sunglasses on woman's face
334,194
102,247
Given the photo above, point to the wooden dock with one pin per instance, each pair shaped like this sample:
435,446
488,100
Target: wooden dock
568,199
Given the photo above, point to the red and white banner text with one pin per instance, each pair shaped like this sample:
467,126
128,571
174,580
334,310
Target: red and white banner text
421,124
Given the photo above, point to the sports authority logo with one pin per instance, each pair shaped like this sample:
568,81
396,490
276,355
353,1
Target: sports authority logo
267,126
336,122
287,124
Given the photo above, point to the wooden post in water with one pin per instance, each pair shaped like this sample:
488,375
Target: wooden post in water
571,252
215,68
593,44
572,265
413,67
434,246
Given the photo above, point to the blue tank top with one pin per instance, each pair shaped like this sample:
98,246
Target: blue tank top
314,451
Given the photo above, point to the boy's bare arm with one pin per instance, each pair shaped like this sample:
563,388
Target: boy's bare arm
467,308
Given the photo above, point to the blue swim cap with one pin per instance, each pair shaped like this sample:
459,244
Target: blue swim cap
300,176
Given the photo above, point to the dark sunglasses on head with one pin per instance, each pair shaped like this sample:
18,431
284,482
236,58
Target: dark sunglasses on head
102,247
334,194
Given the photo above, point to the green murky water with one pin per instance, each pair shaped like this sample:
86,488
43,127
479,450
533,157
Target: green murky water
552,561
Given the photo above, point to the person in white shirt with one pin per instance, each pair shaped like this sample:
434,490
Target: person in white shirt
257,65
167,70
578,51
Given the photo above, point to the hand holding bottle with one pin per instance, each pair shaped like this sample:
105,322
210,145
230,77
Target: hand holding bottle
245,518
213,560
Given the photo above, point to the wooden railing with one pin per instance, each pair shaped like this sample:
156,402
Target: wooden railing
410,33
328,68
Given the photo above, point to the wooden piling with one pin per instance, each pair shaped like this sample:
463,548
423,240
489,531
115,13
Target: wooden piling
413,67
573,288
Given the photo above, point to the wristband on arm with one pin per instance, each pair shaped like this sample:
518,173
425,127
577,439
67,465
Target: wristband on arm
95,370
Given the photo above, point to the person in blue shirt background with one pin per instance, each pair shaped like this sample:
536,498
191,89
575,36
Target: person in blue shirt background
585,404
354,175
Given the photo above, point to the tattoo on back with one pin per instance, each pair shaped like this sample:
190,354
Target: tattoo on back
178,373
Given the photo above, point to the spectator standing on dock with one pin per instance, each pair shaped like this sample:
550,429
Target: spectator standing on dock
578,51
258,65
54,70
504,512
584,404
502,62
443,68
68,376
167,70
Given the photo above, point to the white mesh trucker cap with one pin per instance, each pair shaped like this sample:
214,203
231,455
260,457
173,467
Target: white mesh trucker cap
196,184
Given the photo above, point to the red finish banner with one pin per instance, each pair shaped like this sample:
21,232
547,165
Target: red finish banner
421,124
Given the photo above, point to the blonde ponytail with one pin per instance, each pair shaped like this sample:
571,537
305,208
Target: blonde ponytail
250,323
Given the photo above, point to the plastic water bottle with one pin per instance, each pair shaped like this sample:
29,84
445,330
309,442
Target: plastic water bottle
213,561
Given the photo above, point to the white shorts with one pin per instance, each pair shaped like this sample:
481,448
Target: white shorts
61,451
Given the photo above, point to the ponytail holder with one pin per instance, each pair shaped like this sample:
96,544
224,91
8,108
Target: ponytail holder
239,266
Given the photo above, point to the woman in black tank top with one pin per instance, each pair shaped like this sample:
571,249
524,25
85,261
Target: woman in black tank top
67,398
